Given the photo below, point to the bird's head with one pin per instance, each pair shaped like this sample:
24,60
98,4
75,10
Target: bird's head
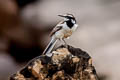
68,17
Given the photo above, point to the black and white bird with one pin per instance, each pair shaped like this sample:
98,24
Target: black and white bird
62,30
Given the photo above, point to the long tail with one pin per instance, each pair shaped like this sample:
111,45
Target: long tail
50,46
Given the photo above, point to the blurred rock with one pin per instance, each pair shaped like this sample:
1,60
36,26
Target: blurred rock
20,37
23,3
8,15
7,66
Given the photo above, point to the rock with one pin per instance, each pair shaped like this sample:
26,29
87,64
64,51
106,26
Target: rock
65,64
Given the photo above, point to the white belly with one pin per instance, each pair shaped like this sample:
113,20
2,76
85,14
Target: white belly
65,32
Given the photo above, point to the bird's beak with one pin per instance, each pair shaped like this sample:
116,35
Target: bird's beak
61,15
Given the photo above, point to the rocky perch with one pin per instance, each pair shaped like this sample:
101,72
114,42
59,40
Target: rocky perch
65,64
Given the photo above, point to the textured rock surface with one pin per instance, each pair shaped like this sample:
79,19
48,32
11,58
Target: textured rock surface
65,64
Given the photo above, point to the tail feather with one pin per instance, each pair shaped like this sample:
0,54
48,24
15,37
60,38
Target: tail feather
50,46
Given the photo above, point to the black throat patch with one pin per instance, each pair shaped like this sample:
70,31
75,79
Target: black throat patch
69,23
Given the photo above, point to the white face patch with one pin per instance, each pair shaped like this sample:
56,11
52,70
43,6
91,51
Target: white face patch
66,19
73,21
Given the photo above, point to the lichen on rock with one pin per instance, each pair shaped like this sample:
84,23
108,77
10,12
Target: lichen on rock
65,64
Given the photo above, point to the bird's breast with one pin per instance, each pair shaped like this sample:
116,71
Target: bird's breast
65,32
68,33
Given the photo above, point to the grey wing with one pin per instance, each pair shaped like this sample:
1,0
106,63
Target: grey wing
57,28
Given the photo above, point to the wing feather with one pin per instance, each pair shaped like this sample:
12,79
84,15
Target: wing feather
57,28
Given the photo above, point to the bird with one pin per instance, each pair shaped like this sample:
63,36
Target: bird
64,29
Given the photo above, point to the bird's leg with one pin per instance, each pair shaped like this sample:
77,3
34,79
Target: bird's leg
65,43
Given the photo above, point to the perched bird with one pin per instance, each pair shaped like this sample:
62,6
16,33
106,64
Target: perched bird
62,30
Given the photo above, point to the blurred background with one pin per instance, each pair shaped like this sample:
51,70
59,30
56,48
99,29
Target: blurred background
25,25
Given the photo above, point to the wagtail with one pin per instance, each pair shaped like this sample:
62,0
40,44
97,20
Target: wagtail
64,29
